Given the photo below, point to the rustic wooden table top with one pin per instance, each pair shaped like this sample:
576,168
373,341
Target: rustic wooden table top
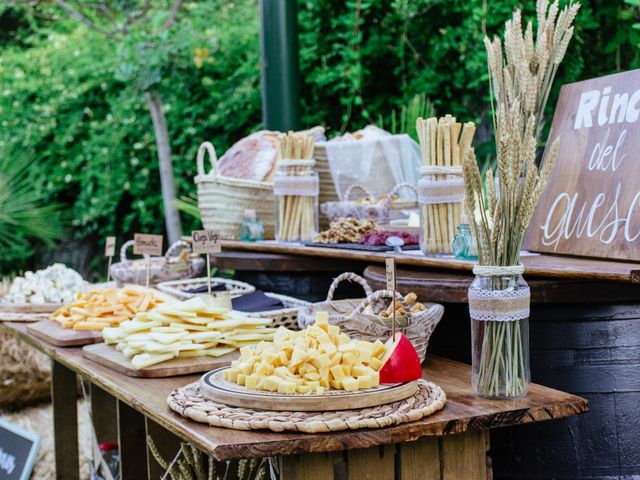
463,412
551,266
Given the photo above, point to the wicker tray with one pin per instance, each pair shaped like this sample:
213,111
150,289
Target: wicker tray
179,288
162,268
189,402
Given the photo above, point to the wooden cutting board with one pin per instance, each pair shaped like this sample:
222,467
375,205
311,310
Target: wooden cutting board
23,317
108,356
214,387
53,333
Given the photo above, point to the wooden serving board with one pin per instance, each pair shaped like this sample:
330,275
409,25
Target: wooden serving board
29,307
23,317
216,388
108,356
52,332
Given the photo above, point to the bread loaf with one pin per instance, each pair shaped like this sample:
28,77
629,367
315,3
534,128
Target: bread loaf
252,158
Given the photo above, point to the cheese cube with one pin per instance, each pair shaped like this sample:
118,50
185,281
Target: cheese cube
269,357
335,384
305,389
321,361
349,358
343,339
231,374
322,318
271,383
349,384
337,373
334,331
347,369
241,379
365,381
361,370
347,347
375,363
364,355
379,349
250,381
264,369
319,390
286,387
312,376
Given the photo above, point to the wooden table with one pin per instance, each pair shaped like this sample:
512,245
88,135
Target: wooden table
550,266
451,444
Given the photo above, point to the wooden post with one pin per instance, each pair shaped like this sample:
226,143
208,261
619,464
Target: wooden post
131,442
65,421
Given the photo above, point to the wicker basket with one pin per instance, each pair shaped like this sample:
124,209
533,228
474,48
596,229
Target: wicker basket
335,308
178,288
222,201
378,211
348,314
418,327
162,268
285,317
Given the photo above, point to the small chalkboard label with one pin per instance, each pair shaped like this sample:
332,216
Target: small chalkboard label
146,244
110,247
205,241
18,451
391,273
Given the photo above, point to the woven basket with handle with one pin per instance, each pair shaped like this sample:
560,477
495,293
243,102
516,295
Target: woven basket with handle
335,308
162,268
378,211
350,316
222,201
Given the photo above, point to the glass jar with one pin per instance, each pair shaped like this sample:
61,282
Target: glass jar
464,243
296,188
499,310
251,229
440,197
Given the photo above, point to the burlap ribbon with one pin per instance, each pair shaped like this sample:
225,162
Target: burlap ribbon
499,305
304,186
450,190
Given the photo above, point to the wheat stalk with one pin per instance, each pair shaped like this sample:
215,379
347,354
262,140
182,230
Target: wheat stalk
521,72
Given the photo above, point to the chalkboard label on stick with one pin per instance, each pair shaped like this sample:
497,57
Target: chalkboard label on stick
591,203
147,244
205,241
110,247
18,451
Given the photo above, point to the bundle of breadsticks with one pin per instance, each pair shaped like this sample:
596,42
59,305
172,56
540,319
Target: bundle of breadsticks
296,188
441,189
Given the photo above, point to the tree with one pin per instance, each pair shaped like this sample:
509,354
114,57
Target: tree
142,29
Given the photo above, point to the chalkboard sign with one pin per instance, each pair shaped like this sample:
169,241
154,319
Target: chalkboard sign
591,205
18,451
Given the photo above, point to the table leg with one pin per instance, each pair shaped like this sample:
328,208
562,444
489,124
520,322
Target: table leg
104,413
131,442
65,421
453,457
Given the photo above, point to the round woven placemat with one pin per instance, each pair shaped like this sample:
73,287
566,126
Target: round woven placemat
188,402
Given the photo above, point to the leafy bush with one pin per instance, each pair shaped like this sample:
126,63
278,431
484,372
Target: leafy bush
68,94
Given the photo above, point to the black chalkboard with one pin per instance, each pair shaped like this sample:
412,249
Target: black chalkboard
18,451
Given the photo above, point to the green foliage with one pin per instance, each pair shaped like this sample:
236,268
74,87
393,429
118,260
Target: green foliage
24,218
73,97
